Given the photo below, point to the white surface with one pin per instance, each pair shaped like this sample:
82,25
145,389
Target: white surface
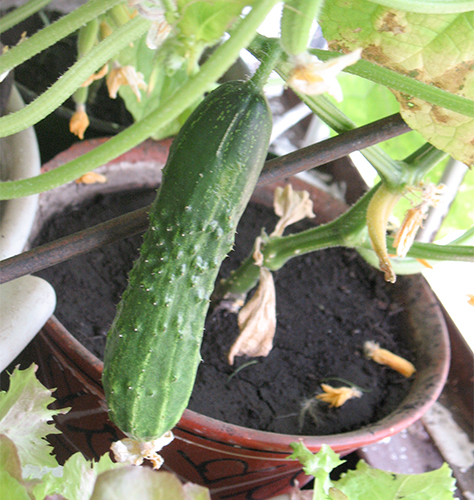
19,159
452,282
25,305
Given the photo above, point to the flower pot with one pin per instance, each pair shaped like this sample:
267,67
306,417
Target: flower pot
27,302
233,461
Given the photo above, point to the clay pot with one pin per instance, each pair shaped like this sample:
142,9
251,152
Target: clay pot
232,461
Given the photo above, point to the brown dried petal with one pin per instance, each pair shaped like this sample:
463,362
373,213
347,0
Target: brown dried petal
291,206
257,321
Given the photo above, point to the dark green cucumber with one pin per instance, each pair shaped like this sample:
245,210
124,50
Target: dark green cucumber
153,347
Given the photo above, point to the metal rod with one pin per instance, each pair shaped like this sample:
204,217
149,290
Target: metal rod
135,222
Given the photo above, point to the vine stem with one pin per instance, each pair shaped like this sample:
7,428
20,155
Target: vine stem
54,32
72,80
19,14
217,64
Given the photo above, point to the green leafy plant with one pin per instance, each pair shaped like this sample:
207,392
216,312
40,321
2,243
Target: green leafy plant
367,482
29,471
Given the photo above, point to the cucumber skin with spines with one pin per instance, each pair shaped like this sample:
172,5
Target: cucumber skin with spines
153,347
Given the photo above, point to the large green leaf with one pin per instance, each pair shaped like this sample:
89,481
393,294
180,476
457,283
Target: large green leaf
435,49
365,482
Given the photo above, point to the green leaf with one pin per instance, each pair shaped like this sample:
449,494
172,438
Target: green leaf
436,49
318,465
25,418
77,479
205,21
365,482
141,483
11,488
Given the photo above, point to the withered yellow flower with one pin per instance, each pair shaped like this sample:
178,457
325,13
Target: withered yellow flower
405,236
337,396
385,357
470,299
79,121
125,75
135,452
291,206
96,76
414,217
313,77
257,321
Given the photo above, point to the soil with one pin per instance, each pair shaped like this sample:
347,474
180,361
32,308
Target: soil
329,303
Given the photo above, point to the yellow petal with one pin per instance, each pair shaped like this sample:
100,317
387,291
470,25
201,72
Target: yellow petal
337,396
79,121
388,358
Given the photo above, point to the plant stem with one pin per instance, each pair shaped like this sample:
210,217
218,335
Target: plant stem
432,251
53,33
344,231
19,14
64,87
217,64
388,169
422,161
267,64
405,84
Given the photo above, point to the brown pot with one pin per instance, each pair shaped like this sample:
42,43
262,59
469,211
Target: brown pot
232,461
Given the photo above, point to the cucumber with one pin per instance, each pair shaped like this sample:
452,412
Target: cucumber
153,347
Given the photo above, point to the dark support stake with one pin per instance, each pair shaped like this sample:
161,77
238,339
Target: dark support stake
136,222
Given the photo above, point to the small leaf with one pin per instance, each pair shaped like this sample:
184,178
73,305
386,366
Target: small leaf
318,465
26,419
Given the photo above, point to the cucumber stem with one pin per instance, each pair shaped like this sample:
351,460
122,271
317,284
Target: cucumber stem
269,58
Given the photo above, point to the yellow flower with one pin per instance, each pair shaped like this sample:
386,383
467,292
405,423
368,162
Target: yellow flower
337,396
470,299
125,75
313,77
385,357
79,121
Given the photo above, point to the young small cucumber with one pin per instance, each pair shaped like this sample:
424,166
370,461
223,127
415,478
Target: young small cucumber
153,348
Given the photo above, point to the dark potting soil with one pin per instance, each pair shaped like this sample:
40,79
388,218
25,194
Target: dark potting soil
329,303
